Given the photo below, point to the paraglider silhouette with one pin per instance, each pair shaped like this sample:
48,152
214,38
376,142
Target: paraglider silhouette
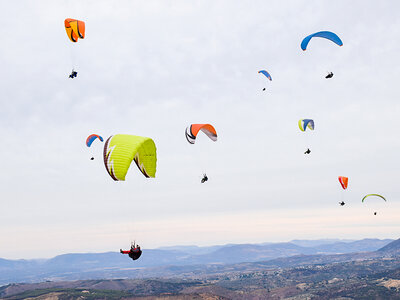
308,151
205,178
134,252
92,158
342,203
330,75
73,74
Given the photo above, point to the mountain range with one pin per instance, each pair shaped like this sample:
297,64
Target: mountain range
177,260
360,275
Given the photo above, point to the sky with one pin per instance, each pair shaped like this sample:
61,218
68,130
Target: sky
152,68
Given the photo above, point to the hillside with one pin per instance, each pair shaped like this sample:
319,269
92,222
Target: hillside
391,248
362,279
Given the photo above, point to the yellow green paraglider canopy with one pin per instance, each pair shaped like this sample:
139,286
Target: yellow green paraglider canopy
121,149
372,195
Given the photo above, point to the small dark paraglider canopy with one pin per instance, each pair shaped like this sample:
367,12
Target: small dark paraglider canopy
342,203
330,75
92,158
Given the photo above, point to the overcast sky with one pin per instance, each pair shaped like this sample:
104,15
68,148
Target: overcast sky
151,68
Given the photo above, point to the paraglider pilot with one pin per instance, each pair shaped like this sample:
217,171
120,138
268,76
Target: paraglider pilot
205,178
330,75
134,252
342,203
73,74
308,151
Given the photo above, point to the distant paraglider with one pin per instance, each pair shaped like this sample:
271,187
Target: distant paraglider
205,178
90,139
376,195
344,183
135,252
121,149
266,75
303,125
73,74
75,30
330,75
322,34
191,135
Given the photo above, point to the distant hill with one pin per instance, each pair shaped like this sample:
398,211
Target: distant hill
313,243
176,260
392,248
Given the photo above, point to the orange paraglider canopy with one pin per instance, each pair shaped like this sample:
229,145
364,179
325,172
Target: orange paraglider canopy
343,181
192,130
75,29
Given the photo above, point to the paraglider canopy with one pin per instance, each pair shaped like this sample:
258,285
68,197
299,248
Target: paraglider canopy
303,124
343,181
121,149
192,131
369,195
91,138
266,74
322,34
75,29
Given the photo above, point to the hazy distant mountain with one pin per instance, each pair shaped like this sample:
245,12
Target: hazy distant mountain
313,243
355,246
162,262
392,248
192,249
